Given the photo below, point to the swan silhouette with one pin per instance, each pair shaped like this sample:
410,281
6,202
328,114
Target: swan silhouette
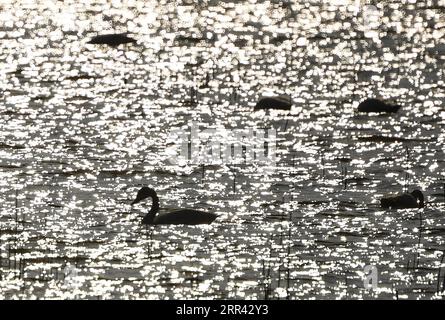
113,40
376,105
414,199
282,102
181,216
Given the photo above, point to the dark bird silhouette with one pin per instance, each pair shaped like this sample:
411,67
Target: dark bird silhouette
375,105
414,199
282,102
113,40
182,216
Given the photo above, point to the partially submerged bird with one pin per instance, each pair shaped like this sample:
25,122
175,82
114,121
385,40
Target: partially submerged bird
182,216
414,199
376,105
113,40
282,102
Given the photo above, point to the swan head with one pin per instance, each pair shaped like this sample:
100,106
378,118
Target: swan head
420,198
143,193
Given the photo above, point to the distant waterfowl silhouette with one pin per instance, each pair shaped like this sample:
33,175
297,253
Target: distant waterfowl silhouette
376,105
414,199
194,39
182,216
113,40
282,102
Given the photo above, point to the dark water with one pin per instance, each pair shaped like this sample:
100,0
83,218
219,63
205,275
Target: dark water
83,127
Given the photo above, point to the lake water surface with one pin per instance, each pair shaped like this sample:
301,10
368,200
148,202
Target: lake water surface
83,127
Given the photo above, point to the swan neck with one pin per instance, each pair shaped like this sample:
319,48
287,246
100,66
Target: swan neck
150,216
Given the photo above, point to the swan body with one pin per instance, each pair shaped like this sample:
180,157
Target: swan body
184,216
112,40
414,199
181,216
282,102
375,105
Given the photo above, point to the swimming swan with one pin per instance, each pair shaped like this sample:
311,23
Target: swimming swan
282,102
414,199
375,105
182,216
113,40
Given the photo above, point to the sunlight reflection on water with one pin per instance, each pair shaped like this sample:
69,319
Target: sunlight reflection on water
84,127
